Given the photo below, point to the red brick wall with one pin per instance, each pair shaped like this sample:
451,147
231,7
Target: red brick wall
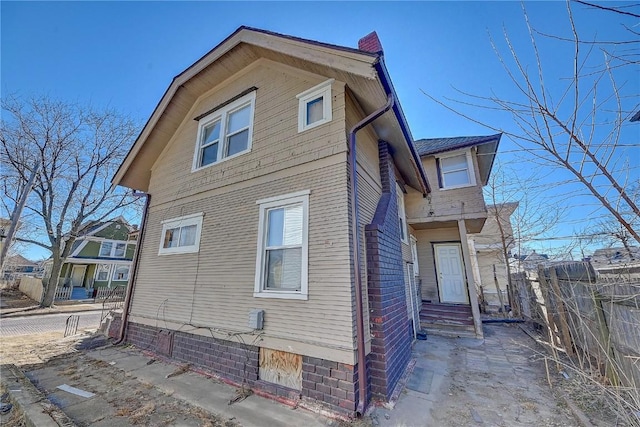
391,342
330,384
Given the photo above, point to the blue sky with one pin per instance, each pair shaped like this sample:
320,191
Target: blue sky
124,54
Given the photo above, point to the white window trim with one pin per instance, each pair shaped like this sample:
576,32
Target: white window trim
402,213
112,254
275,202
183,221
115,270
470,169
98,270
414,255
322,90
222,114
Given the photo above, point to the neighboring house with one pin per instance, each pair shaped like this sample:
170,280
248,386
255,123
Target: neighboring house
488,254
616,260
17,266
440,225
271,258
100,257
531,261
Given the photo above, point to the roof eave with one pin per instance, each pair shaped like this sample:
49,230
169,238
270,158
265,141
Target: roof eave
385,79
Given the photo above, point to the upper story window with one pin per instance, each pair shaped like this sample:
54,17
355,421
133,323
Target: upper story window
112,249
402,217
456,170
181,235
225,132
314,106
282,259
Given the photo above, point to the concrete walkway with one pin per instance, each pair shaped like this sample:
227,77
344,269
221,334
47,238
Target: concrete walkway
144,382
36,310
467,382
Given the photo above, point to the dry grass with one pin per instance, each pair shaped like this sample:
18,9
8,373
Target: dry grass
140,415
37,348
598,319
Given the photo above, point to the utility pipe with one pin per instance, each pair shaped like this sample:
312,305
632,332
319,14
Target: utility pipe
355,220
134,271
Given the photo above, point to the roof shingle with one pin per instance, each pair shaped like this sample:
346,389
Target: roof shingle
430,146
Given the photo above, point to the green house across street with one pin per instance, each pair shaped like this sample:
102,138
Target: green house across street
100,259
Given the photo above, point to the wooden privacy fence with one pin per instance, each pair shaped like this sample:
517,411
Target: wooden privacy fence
596,319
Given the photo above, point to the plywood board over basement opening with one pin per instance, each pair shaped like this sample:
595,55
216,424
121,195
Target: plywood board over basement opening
280,367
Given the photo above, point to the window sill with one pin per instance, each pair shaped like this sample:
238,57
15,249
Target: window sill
281,295
182,251
305,128
199,168
455,187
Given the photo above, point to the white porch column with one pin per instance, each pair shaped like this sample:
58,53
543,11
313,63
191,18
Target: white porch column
471,283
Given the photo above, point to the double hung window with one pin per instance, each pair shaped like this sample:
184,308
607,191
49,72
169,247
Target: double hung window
281,266
456,171
225,133
121,273
112,249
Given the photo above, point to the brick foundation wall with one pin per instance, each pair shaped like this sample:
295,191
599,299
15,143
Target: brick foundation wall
391,342
330,382
331,385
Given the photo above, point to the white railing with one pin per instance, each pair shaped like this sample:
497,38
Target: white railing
111,293
63,293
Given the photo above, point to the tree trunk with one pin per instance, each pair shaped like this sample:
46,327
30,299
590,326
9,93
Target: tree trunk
50,291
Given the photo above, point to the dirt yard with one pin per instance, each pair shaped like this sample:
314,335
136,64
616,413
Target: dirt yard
120,398
12,298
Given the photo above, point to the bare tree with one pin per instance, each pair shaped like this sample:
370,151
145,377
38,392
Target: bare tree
78,149
579,123
520,212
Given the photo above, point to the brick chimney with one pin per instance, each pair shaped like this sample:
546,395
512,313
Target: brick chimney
370,43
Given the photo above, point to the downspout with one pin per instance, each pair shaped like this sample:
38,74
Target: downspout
134,271
355,220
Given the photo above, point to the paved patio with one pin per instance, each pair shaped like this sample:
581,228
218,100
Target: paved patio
500,381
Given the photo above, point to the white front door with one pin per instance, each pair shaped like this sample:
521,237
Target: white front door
77,275
450,272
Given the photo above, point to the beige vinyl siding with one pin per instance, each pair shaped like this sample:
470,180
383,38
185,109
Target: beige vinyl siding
426,260
466,202
276,146
213,289
370,190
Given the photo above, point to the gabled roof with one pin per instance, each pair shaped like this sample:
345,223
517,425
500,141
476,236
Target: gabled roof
90,228
487,148
364,73
19,260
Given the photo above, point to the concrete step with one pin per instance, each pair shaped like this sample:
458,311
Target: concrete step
452,333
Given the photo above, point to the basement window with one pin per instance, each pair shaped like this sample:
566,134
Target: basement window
314,106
